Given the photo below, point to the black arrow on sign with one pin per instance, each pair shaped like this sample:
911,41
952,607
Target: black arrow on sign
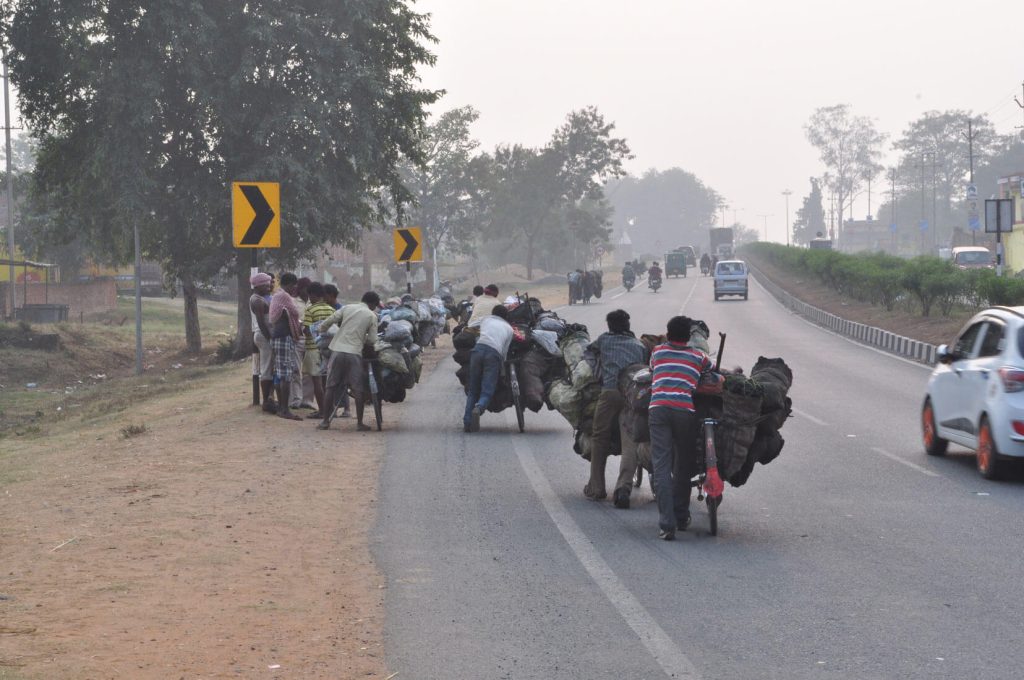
411,244
264,215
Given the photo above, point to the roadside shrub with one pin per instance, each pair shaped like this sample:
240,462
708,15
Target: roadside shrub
1001,291
225,350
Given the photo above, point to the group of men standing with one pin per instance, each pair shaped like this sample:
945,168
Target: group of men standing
676,370
301,332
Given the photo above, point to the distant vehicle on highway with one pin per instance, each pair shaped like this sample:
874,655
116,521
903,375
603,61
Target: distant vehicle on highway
975,396
675,264
691,255
973,257
820,244
731,278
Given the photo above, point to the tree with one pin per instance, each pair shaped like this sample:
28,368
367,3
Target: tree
669,208
446,186
944,134
742,234
534,186
146,111
850,148
810,218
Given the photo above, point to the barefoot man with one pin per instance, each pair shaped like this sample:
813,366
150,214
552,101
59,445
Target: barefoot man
285,332
357,328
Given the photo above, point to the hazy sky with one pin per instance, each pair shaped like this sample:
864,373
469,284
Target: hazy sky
723,88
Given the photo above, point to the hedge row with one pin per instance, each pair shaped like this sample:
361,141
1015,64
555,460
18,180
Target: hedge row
884,280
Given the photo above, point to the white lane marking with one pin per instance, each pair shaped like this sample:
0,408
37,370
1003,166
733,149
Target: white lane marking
654,638
616,297
808,416
912,466
841,337
693,289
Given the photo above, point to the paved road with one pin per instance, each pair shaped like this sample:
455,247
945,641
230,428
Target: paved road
853,555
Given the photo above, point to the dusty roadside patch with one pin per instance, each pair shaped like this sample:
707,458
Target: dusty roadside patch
207,540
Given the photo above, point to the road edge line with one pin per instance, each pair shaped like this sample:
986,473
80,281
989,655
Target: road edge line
653,637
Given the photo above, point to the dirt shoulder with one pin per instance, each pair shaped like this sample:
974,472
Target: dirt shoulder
220,542
935,329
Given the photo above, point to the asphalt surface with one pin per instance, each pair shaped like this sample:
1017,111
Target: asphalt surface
852,555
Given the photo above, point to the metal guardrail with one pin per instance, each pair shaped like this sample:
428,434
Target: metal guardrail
879,338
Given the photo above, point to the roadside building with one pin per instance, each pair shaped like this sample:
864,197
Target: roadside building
1012,186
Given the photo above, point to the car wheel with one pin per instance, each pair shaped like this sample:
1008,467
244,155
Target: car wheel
989,465
744,295
934,445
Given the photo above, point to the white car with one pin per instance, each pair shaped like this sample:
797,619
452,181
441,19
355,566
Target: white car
731,278
975,395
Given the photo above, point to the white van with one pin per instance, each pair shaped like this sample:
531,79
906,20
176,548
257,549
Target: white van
731,278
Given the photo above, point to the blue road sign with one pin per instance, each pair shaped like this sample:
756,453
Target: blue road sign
923,225
974,223
892,227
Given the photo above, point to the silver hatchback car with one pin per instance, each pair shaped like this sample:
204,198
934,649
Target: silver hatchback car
975,396
731,278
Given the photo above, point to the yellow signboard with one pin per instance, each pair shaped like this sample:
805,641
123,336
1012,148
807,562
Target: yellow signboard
408,244
256,214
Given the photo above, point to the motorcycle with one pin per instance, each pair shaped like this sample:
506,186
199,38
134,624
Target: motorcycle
628,282
654,284
705,268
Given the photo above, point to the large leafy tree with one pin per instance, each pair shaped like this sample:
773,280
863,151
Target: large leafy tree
935,157
448,186
535,190
850,148
145,112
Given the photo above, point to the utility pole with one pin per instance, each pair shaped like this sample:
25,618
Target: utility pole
892,205
970,158
10,185
924,221
787,193
765,217
935,215
1021,105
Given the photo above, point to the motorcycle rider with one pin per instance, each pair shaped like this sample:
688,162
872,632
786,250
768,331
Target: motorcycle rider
628,276
705,263
654,274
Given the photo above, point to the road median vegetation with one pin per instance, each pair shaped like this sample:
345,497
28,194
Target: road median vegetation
922,285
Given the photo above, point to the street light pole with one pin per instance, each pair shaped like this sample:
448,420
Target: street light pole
765,217
787,193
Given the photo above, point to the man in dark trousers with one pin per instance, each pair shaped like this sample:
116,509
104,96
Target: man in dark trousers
357,328
675,373
616,349
485,365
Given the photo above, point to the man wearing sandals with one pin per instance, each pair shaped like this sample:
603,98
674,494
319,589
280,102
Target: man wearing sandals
285,332
357,328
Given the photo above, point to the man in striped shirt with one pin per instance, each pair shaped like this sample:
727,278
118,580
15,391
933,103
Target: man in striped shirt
676,369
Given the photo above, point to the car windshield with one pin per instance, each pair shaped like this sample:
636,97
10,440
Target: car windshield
975,257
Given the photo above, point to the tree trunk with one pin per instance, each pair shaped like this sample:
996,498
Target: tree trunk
193,340
437,275
529,257
243,340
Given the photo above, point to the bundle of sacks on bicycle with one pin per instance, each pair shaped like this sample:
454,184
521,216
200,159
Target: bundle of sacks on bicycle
750,408
535,351
405,328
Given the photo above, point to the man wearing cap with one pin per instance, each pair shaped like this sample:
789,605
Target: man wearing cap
259,306
482,306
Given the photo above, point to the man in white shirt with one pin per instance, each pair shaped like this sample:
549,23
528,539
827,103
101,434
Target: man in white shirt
357,328
485,364
483,306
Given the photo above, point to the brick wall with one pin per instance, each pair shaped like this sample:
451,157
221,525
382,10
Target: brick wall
81,298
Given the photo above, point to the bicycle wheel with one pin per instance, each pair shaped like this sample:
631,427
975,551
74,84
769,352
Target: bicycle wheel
378,412
517,399
713,502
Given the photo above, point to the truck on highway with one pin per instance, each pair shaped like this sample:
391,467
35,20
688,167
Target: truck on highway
721,243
